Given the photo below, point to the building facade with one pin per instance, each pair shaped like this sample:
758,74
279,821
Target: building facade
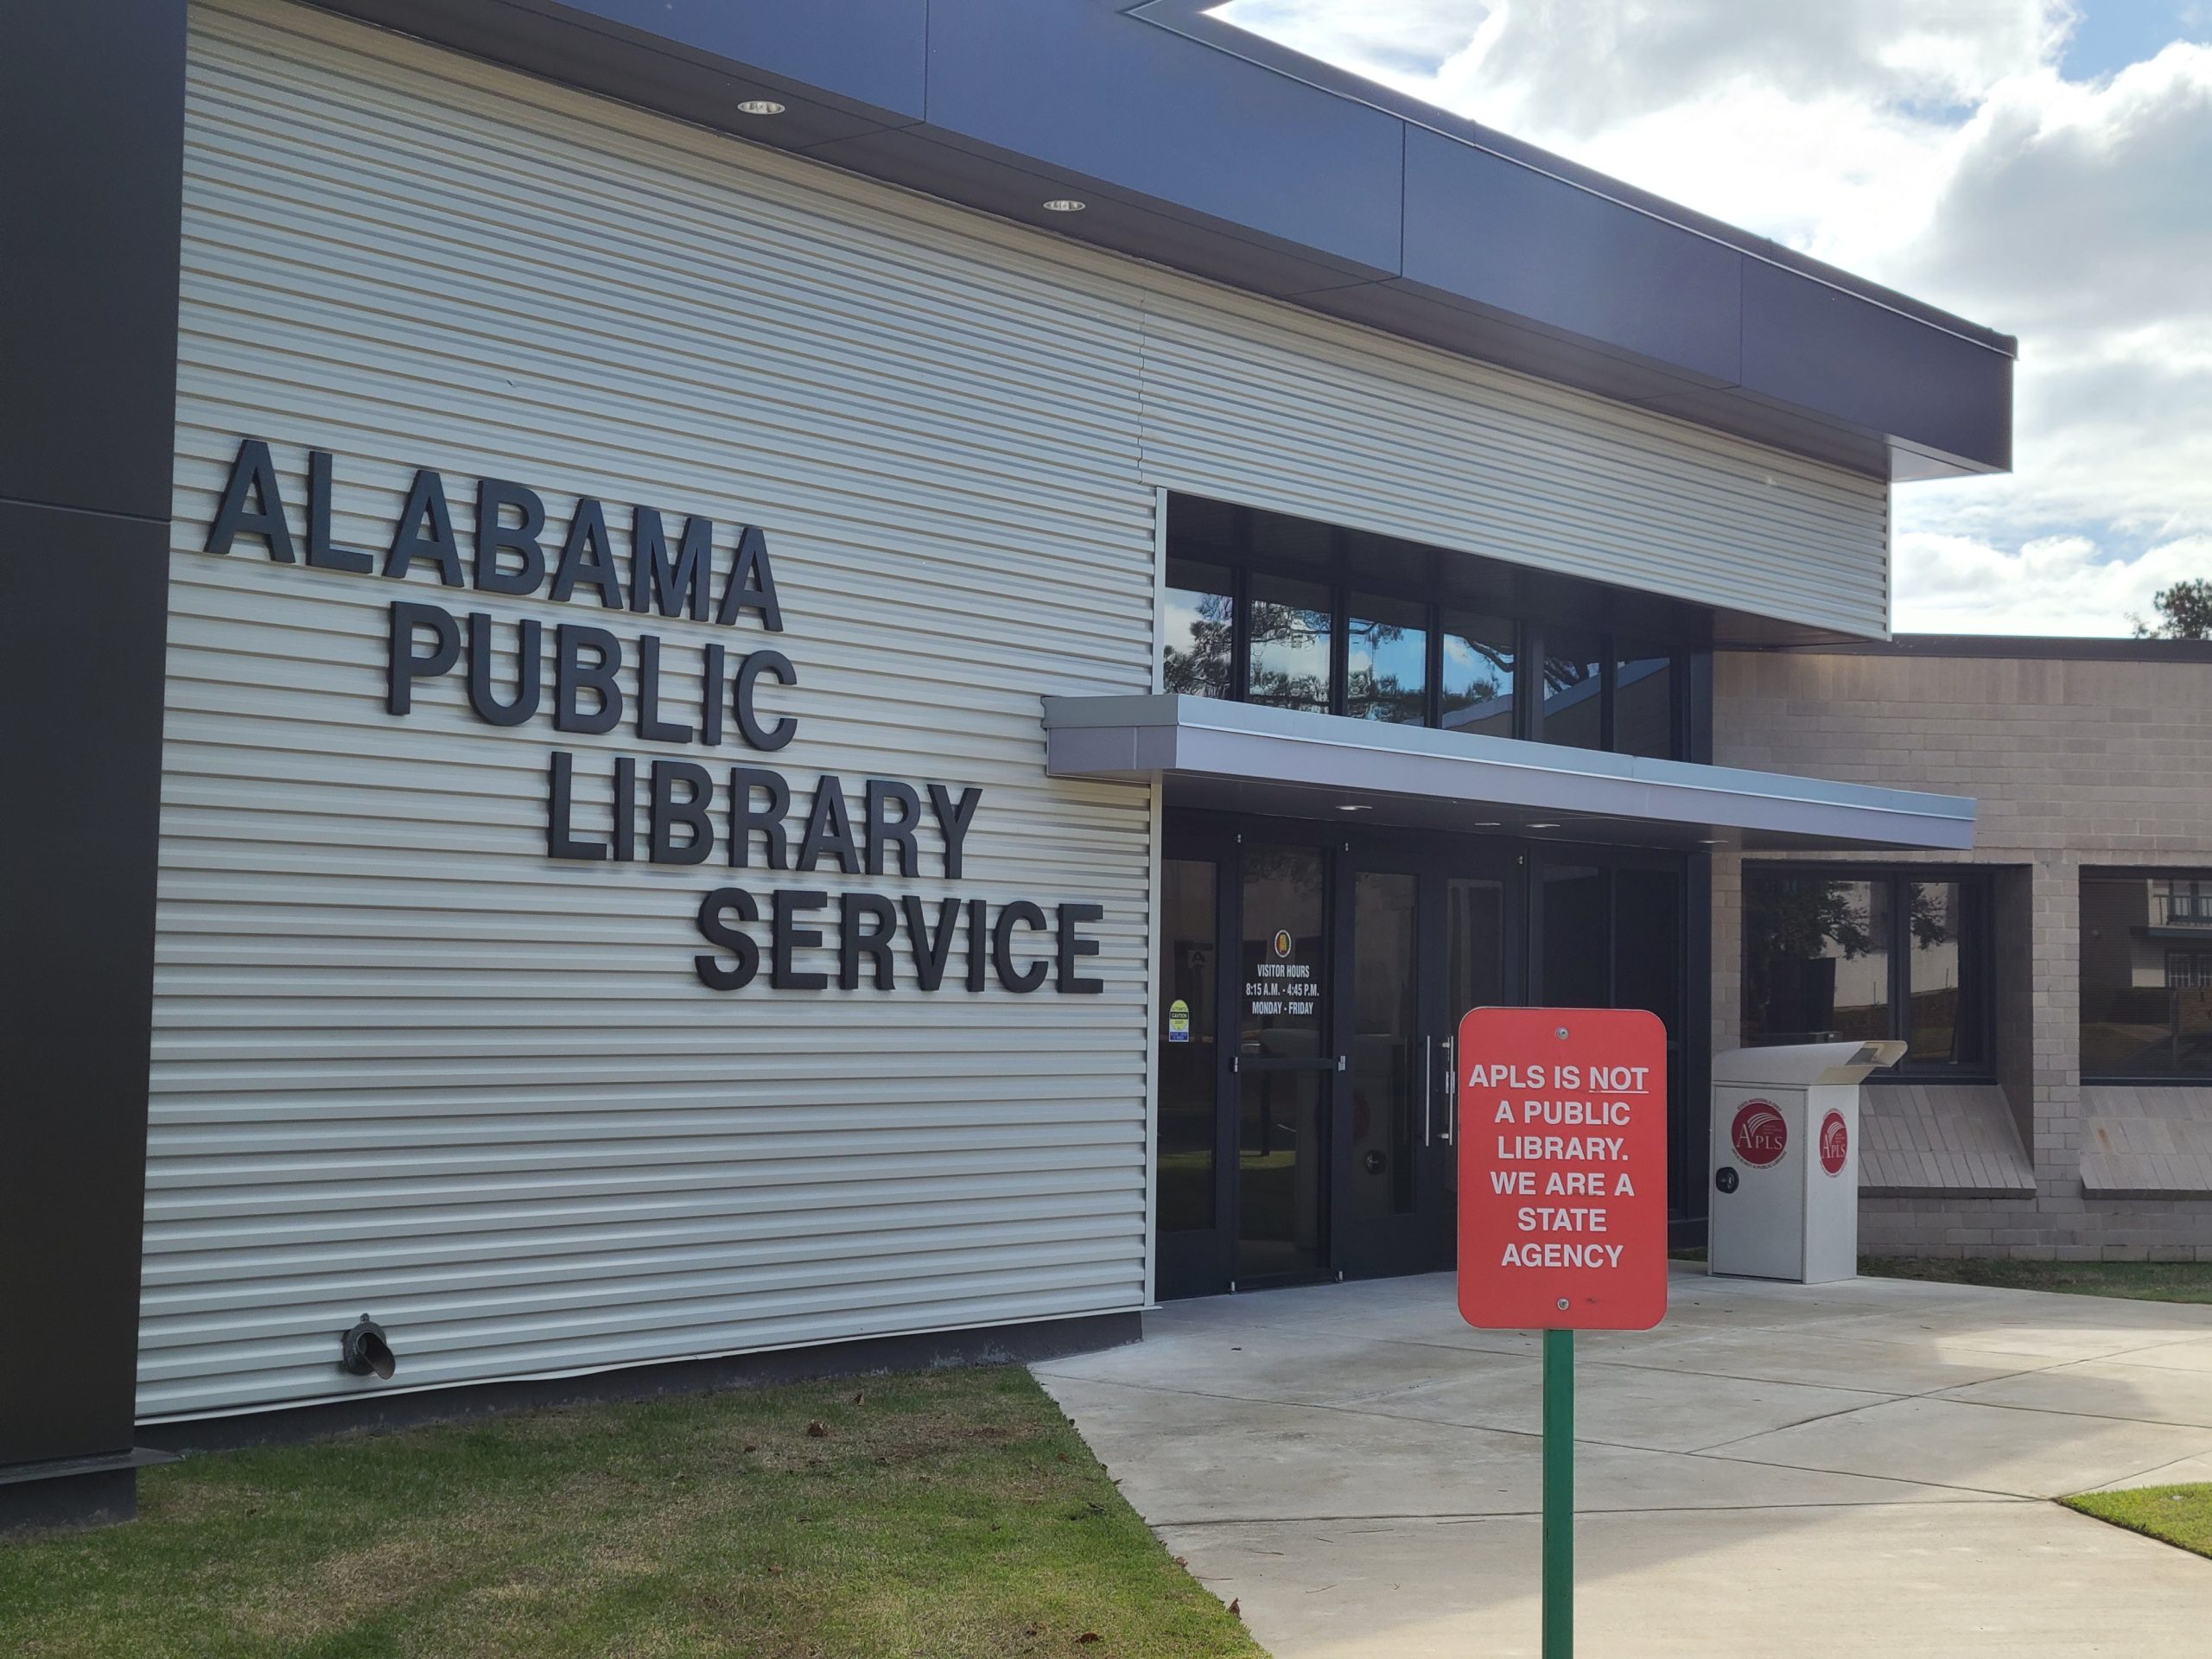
2056,1097
733,685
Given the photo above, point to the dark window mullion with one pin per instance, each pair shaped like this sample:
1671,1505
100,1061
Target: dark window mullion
1677,715
1340,649
1432,705
1612,877
1608,676
1240,651
1528,699
1901,958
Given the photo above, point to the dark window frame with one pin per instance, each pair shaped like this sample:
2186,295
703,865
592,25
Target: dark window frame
1528,644
1899,878
2198,873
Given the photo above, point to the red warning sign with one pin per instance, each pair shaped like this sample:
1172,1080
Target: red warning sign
1835,1143
1562,1169
1760,1134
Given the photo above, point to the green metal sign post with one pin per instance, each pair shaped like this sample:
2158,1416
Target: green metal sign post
1559,1495
1562,1150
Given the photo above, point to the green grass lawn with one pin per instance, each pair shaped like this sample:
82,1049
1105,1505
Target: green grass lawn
941,1513
2149,1282
2176,1515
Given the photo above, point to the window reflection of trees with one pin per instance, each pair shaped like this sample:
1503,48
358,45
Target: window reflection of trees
1477,687
1565,673
1797,928
1198,665
1289,655
1375,692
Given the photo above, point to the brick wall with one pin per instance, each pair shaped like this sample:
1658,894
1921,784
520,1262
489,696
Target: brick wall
2073,763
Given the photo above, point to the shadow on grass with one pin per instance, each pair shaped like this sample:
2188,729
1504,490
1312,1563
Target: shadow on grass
946,1513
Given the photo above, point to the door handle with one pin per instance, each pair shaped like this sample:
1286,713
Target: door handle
1451,1089
1427,1084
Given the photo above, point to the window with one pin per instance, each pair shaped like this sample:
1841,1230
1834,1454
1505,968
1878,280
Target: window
1187,1038
1943,975
2184,901
1574,688
2188,970
1293,626
1198,647
1854,956
2146,976
1643,702
1571,912
1268,609
1386,659
1477,683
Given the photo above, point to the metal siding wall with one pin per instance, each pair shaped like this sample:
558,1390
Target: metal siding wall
405,1063
1270,407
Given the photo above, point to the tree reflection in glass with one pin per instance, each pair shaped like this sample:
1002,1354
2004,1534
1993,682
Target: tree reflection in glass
1291,627
1201,630
1386,665
1815,958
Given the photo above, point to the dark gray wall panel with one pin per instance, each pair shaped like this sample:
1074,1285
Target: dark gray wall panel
1819,348
83,603
1081,87
1203,147
868,50
565,44
1510,236
1112,220
91,117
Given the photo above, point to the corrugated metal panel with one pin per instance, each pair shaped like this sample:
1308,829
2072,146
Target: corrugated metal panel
406,1063
1261,405
403,1063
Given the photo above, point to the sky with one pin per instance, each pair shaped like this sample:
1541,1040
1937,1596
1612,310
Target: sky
2042,167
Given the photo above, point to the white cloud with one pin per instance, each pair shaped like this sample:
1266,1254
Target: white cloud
2054,584
1932,145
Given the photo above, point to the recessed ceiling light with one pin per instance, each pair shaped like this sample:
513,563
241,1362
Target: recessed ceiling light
1063,205
1355,808
1489,823
1543,826
760,106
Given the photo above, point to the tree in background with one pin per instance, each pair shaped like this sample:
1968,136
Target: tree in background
2184,612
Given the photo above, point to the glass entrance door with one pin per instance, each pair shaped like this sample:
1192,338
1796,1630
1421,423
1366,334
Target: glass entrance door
1286,1064
1310,987
1190,1070
1481,948
1429,941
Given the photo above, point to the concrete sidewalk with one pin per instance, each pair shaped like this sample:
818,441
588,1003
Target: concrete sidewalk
1853,1469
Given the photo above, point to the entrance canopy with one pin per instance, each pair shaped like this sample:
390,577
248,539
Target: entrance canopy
1249,758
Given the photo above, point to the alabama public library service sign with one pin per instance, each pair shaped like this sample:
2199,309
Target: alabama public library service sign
747,817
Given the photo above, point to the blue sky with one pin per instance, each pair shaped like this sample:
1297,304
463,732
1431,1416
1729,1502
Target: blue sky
2109,34
2041,166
